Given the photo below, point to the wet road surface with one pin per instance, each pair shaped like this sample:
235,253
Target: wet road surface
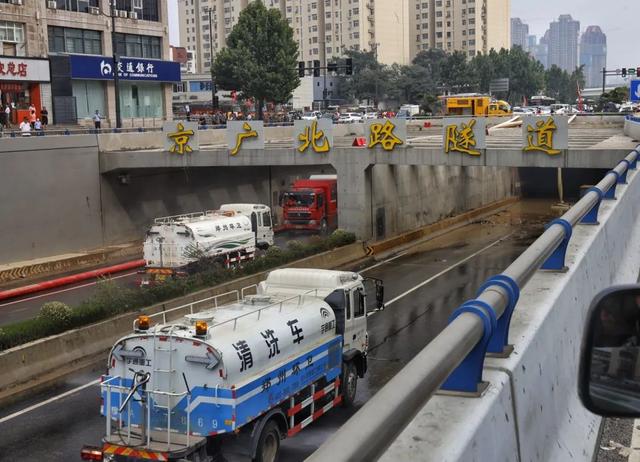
28,306
456,264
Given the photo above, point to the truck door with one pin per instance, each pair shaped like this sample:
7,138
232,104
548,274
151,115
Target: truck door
356,320
266,230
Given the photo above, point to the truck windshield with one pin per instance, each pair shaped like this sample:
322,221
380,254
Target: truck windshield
297,198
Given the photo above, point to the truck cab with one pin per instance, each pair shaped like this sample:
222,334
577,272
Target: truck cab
261,221
311,205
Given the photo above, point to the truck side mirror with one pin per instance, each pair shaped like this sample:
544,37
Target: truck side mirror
609,377
254,222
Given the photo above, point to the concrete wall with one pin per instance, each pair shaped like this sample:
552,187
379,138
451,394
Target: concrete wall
531,410
407,197
129,209
50,197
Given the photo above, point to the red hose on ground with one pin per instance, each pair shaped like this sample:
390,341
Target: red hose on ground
19,291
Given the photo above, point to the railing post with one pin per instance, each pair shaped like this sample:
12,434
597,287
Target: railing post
555,262
591,218
499,341
467,377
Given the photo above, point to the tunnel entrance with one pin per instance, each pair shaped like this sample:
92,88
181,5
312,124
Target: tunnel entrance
538,182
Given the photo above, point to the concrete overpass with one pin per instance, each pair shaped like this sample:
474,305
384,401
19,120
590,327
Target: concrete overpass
592,144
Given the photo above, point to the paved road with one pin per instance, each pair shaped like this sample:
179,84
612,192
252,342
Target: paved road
423,286
28,306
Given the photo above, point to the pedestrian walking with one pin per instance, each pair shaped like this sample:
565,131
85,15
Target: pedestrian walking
44,116
97,120
25,127
187,111
7,112
3,117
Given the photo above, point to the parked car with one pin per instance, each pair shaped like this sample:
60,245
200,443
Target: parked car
350,117
313,115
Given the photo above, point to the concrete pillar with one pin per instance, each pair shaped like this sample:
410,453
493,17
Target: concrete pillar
354,196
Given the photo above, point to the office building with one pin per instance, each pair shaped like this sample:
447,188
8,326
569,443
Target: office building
64,52
563,43
519,33
593,55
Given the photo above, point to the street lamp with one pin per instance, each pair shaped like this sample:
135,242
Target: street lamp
213,86
116,62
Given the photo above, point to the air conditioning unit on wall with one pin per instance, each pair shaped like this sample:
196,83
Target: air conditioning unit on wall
133,15
122,14
94,10
15,2
52,4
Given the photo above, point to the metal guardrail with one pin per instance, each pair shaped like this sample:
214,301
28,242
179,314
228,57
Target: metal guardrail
454,360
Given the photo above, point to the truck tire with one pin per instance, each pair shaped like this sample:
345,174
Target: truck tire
349,384
268,444
324,227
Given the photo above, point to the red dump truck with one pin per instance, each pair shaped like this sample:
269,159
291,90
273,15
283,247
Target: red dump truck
312,204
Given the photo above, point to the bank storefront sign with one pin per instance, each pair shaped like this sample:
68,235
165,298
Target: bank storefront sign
103,68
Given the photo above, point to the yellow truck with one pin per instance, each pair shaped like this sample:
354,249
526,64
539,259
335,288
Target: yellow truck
472,104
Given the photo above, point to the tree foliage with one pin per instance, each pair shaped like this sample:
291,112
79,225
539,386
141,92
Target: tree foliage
434,72
260,60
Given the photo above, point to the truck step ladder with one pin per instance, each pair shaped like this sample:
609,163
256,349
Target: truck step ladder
159,351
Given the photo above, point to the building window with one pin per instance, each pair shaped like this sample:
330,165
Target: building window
89,95
141,100
69,40
147,10
11,38
138,46
81,6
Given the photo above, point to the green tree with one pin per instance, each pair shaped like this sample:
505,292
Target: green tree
260,59
556,82
370,80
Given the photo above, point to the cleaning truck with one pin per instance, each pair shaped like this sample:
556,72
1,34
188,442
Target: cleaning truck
240,375
229,235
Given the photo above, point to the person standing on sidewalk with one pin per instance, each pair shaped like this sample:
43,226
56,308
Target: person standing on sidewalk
32,115
7,112
44,116
97,120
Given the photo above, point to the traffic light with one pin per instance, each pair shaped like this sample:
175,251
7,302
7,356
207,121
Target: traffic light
316,68
348,66
216,102
301,69
332,67
637,71
624,72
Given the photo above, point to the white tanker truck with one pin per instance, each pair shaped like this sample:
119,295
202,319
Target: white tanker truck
230,235
237,378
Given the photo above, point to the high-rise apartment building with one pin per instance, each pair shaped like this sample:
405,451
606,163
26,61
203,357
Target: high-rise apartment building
593,55
470,26
58,54
519,33
563,43
324,29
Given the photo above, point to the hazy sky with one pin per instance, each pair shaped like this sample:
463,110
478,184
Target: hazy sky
617,19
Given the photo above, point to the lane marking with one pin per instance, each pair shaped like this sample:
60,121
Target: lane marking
64,290
446,270
390,302
48,401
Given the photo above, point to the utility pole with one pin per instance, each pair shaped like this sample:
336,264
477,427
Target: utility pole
116,62
213,85
604,79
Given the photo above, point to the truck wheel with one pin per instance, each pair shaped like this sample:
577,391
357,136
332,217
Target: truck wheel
324,227
268,444
349,384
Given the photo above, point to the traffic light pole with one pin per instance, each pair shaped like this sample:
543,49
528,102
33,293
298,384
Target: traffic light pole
624,72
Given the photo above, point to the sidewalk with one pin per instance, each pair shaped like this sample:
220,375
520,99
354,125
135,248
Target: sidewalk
57,264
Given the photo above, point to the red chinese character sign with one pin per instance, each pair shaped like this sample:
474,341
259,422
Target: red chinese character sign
24,69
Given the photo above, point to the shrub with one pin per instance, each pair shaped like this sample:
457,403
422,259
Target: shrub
111,299
56,313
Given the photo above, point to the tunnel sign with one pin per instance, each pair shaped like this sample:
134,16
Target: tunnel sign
313,135
386,133
180,137
245,134
464,135
548,134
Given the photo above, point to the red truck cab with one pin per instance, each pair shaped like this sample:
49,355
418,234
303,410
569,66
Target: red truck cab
311,205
